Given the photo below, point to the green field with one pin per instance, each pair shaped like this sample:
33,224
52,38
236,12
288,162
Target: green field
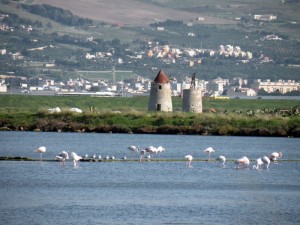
30,103
129,115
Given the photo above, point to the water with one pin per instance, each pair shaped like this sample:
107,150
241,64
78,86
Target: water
177,146
147,193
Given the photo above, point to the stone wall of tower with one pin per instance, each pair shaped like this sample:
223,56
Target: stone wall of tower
160,97
192,100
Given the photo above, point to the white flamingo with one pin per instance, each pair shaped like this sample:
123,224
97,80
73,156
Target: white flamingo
151,150
275,155
134,149
266,161
242,163
62,157
189,159
209,150
75,158
259,164
221,159
160,149
143,152
41,150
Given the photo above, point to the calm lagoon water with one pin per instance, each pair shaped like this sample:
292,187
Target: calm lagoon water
150,192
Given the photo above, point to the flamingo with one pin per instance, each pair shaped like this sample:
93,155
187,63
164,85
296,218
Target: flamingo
62,157
151,150
143,152
259,164
275,155
209,150
75,158
160,149
242,162
134,149
221,159
189,159
266,161
41,150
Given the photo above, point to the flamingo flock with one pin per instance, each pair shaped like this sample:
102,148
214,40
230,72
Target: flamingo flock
241,163
148,153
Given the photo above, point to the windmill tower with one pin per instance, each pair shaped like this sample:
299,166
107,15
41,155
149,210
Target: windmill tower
192,98
160,94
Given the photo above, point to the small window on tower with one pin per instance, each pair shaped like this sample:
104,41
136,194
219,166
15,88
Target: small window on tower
159,87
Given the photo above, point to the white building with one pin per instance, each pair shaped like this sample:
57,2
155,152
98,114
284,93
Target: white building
265,17
236,92
3,88
282,86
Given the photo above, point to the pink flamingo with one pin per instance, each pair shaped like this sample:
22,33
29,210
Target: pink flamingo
62,157
143,152
41,150
134,149
189,159
222,159
242,163
275,155
259,164
266,161
151,150
159,150
75,158
209,150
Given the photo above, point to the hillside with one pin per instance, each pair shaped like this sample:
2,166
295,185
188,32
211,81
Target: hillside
126,31
130,12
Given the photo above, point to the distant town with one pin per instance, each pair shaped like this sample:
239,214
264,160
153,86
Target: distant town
165,54
236,87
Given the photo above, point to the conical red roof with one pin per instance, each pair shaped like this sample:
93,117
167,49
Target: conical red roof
161,78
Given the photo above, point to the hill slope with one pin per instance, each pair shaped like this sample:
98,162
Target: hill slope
130,12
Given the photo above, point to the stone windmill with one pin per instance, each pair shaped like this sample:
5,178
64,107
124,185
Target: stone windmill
160,94
192,98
